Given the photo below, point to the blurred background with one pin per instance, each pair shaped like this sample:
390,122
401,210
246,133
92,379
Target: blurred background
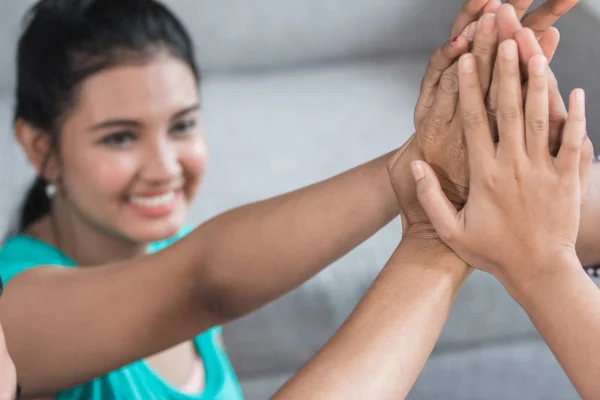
297,91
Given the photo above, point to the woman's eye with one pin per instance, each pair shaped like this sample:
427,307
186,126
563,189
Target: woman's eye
183,127
118,139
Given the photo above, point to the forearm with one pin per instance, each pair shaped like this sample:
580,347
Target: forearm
565,307
256,253
588,241
380,350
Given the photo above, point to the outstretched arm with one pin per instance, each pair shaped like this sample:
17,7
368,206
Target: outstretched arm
380,350
522,216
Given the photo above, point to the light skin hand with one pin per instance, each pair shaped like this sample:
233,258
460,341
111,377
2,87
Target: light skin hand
530,201
509,27
521,219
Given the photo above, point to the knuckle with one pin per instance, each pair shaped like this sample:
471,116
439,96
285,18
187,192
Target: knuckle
509,113
449,83
484,47
538,124
491,181
579,117
571,146
587,149
436,58
538,85
435,123
473,118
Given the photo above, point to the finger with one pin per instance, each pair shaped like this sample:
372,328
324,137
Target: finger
470,11
485,47
546,15
441,60
557,114
549,42
507,23
469,31
536,110
585,167
521,6
492,6
474,116
510,102
439,209
446,99
528,48
569,155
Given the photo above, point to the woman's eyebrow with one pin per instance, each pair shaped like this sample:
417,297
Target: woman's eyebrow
185,111
116,123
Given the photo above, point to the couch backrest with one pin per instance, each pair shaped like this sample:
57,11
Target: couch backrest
238,35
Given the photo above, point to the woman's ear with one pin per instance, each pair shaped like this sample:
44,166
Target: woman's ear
38,147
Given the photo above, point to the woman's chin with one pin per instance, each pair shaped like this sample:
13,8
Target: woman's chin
155,230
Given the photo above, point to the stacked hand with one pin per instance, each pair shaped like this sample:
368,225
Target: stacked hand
523,207
439,138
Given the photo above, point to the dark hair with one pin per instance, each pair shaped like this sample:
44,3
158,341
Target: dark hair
66,41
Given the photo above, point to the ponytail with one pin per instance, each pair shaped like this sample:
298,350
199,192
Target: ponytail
36,205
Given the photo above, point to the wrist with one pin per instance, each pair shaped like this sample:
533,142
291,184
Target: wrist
588,239
529,280
421,247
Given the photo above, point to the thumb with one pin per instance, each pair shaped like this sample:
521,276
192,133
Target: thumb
439,209
585,167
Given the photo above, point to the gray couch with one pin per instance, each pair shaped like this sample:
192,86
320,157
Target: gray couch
297,91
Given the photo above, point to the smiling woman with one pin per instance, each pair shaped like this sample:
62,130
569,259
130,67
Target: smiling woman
111,122
102,304
131,154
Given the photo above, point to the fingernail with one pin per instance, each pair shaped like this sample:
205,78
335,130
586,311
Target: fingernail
454,40
538,65
487,24
417,170
580,97
510,50
467,64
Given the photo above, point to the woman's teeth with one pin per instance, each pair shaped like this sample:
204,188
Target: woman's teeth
153,201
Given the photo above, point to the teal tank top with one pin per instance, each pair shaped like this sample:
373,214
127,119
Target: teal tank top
136,381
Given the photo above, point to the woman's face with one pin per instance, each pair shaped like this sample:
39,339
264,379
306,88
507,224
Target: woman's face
132,151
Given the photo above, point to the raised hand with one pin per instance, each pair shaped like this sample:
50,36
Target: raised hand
523,208
439,137
538,26
461,34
